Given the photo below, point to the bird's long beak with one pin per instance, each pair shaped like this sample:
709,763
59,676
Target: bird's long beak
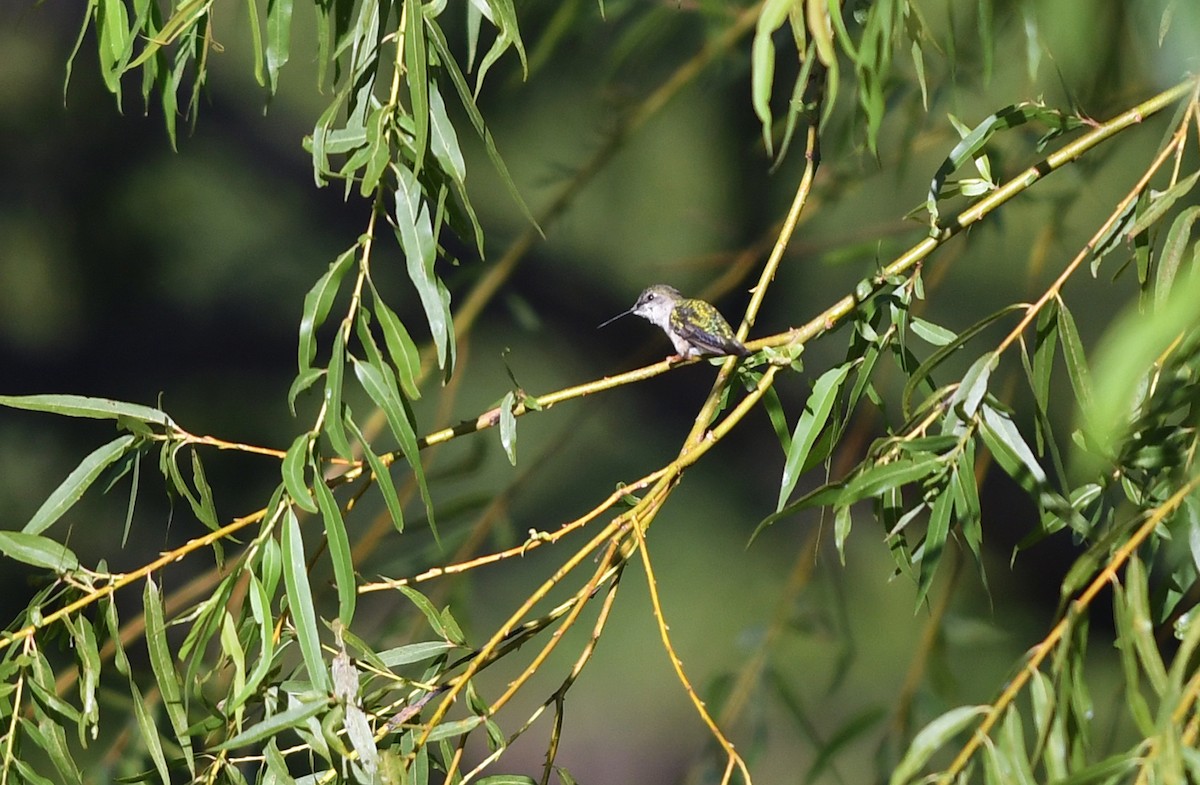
618,316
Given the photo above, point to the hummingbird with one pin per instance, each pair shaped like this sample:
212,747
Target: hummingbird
695,327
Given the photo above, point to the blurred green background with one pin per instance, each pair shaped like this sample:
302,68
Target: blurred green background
135,272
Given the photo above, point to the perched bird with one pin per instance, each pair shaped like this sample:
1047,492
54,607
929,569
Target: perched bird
695,327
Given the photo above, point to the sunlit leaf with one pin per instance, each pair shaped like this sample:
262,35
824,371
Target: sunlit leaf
72,489
38,551
300,603
809,426
339,552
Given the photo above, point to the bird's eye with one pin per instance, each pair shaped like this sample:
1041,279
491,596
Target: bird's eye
650,297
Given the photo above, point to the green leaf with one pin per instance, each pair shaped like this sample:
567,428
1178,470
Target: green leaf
302,382
1141,628
333,397
1160,203
938,357
276,723
447,60
931,738
414,229
931,333
504,16
317,303
1077,368
508,427
809,426
382,390
260,609
762,63
162,662
448,730
414,652
150,733
279,34
935,543
300,602
443,140
339,553
401,348
886,476
72,489
1172,254
1011,451
295,462
381,474
94,408
38,551
431,615
417,77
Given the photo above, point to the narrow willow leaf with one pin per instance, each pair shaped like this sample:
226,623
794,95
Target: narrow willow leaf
133,491
383,392
1141,628
207,507
774,409
279,35
508,427
300,603
86,648
381,475
1077,367
150,733
333,398
414,652
162,662
38,551
317,303
931,738
339,553
886,476
71,489
427,610
513,779
1160,203
762,64
416,77
842,521
1135,702
1172,254
82,406
1044,350
1011,451
231,648
447,60
809,426
443,141
401,348
260,609
414,229
935,543
273,725
448,730
974,385
931,333
504,16
302,382
938,357
294,464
